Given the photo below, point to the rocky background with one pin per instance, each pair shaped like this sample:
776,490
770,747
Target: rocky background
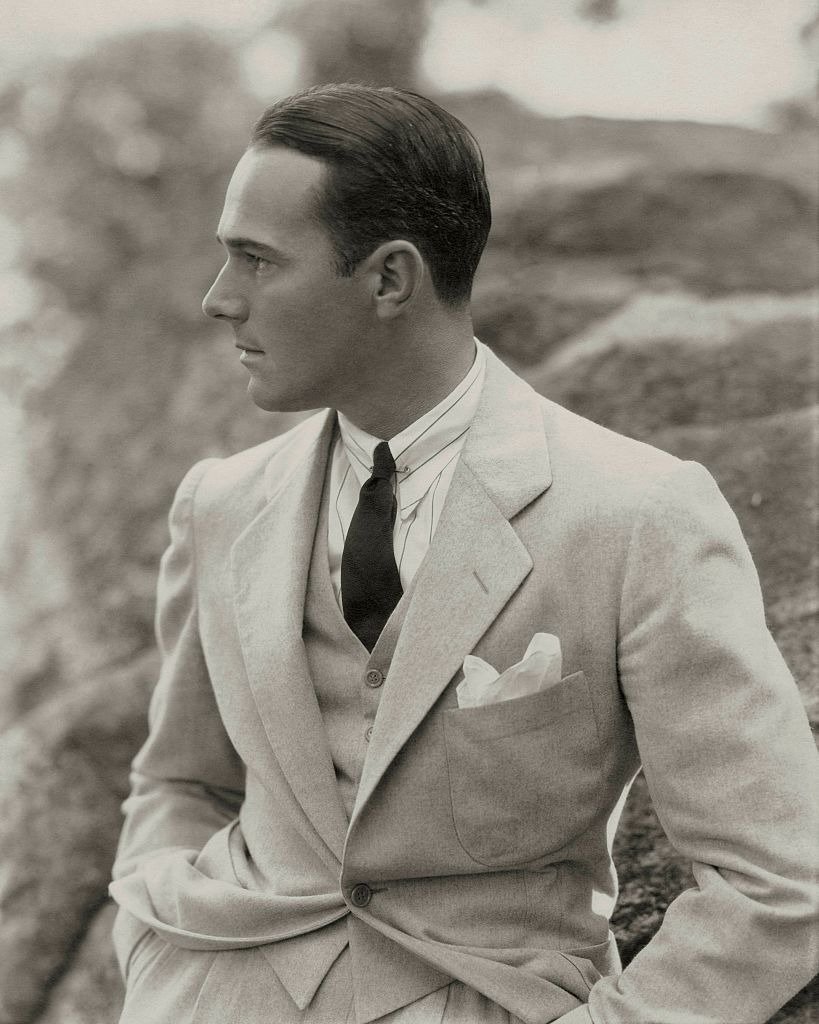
655,277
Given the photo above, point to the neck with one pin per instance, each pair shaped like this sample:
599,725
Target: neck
420,374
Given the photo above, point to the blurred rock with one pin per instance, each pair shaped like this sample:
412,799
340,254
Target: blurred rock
524,149
713,232
64,774
526,312
801,1009
90,992
666,361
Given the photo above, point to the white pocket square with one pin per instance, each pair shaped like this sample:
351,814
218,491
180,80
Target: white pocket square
541,666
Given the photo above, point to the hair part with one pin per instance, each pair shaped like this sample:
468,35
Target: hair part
398,167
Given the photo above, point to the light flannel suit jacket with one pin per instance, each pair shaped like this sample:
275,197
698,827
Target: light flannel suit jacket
482,834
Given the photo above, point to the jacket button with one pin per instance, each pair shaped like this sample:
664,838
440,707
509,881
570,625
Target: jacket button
361,895
368,732
374,678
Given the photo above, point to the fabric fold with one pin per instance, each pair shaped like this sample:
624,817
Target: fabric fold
192,910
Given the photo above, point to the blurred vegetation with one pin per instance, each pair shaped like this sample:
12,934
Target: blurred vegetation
652,276
378,43
126,164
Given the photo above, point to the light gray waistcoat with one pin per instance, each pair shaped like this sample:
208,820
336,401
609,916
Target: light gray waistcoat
348,679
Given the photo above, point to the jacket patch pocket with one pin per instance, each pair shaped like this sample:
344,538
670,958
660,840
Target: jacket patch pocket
524,774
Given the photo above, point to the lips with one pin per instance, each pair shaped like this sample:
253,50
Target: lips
248,348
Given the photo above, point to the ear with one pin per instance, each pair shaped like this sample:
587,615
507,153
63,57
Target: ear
395,271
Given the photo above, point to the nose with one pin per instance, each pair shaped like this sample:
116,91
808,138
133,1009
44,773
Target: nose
223,300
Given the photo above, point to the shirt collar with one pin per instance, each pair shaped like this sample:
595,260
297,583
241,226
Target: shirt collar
426,446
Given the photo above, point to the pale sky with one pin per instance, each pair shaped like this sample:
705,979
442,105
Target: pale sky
707,60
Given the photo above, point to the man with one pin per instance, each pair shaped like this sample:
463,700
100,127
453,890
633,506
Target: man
317,830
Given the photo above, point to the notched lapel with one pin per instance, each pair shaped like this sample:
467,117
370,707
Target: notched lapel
269,564
475,564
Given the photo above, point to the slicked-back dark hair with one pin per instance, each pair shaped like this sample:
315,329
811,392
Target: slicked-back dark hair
398,166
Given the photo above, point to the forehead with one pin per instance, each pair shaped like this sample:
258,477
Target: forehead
272,195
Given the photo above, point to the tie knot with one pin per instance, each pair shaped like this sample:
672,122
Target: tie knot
383,462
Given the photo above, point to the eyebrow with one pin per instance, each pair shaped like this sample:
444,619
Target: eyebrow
250,243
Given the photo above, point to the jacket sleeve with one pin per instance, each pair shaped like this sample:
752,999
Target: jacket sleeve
731,766
187,781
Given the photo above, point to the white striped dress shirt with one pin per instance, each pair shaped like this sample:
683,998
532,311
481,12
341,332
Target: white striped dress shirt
426,454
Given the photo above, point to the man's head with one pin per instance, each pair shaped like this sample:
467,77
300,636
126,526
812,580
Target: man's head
398,166
356,216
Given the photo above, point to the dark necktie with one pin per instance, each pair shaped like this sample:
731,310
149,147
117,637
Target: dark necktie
370,584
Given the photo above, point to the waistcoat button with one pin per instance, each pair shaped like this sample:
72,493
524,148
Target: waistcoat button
374,678
368,733
361,895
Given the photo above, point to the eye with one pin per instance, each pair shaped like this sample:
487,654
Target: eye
257,263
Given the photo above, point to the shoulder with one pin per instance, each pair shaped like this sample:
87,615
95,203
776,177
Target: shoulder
239,484
639,513
587,456
599,480
584,459
614,479
591,448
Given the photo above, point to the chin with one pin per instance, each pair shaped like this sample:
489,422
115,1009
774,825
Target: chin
271,401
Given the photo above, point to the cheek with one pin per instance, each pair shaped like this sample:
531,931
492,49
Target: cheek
294,305
322,314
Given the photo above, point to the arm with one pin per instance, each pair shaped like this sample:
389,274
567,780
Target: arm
732,770
187,780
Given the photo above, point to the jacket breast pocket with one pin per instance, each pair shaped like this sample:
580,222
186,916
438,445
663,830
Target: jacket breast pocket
524,774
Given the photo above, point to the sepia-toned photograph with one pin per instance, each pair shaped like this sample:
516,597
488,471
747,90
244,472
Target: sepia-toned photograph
409,512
